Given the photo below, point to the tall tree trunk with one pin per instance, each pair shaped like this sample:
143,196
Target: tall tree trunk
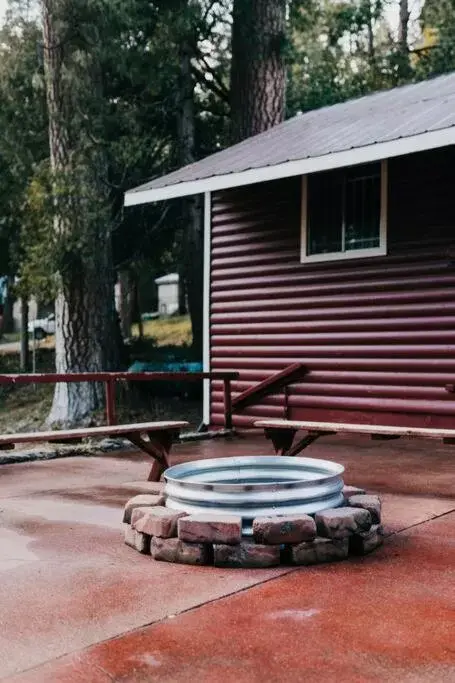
25,347
138,307
85,339
8,318
126,302
182,291
192,207
258,74
403,27
370,32
404,66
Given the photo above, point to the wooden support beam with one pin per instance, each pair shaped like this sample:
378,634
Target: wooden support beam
272,385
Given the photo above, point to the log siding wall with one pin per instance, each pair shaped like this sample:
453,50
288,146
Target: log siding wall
378,334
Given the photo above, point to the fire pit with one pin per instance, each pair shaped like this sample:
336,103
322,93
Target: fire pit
258,511
256,486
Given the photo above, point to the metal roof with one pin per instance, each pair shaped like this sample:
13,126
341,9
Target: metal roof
389,123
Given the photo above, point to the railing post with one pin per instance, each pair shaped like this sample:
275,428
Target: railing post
286,402
109,385
227,404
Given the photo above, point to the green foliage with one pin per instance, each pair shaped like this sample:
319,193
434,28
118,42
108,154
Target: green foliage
37,238
439,58
343,49
340,50
125,113
121,71
23,128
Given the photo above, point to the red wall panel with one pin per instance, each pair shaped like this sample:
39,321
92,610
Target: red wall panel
377,334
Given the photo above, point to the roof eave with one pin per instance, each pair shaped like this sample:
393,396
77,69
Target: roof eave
359,155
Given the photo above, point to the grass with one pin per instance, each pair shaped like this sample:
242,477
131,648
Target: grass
174,331
10,337
25,408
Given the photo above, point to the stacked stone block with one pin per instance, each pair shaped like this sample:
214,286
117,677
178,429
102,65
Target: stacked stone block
211,539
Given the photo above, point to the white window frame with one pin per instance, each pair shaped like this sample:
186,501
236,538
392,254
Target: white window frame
380,250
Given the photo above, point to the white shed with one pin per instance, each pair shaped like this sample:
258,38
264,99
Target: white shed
168,294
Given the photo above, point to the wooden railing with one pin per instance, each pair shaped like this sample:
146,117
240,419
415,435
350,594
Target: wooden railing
110,378
272,385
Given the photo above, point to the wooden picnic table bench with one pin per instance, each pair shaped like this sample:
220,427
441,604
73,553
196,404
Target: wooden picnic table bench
157,445
282,432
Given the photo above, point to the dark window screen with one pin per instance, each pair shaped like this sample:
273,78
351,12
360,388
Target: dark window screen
344,209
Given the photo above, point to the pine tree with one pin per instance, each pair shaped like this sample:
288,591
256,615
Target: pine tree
258,73
85,339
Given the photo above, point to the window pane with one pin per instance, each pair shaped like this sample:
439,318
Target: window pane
325,212
363,207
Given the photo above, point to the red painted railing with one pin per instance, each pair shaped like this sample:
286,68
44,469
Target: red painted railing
280,381
110,378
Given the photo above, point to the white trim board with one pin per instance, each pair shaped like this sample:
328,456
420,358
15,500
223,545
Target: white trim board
206,305
288,169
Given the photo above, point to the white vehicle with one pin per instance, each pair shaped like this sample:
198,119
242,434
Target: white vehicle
42,327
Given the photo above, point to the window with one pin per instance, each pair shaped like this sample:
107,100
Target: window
344,213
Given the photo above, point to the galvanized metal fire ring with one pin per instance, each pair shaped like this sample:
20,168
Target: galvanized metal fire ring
255,486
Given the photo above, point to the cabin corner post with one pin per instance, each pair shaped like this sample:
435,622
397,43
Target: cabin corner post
206,304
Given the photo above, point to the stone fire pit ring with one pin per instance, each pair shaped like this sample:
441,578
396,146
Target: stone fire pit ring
254,486
253,511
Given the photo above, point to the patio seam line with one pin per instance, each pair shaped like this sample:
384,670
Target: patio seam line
425,521
285,572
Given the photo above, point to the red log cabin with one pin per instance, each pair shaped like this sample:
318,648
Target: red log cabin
330,241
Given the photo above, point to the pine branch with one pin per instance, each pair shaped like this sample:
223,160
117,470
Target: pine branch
211,85
219,87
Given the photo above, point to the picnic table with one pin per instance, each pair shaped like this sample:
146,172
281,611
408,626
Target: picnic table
282,432
153,438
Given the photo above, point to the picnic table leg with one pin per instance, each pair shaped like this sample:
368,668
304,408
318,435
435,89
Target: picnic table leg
282,440
156,471
158,447
307,440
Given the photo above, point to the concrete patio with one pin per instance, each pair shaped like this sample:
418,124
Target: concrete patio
76,604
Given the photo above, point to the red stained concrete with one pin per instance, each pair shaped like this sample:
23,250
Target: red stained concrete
68,583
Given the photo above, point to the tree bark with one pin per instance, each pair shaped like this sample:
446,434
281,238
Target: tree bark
24,341
182,291
85,339
126,302
138,307
192,208
403,27
403,47
370,32
7,323
258,73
